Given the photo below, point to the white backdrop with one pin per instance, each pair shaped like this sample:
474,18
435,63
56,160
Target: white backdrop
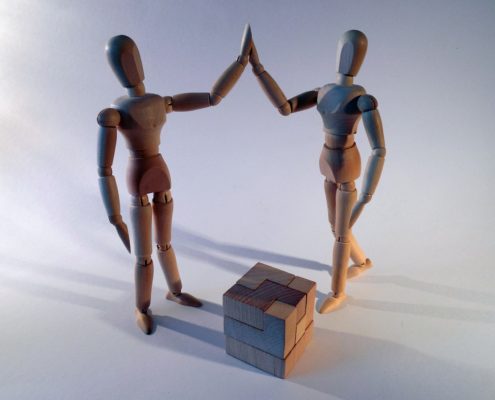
247,188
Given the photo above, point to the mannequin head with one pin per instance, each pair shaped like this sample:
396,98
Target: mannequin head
351,51
123,56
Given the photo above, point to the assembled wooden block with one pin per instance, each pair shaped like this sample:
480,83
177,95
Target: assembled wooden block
268,318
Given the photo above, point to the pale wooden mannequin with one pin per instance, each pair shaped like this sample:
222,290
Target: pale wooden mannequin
341,105
139,116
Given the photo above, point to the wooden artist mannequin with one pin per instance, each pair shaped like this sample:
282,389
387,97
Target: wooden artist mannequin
341,105
139,116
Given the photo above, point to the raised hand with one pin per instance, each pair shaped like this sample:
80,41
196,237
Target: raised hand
267,83
246,44
254,59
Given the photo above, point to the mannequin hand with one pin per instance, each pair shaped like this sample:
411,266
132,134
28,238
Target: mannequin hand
122,231
253,56
255,61
358,209
246,43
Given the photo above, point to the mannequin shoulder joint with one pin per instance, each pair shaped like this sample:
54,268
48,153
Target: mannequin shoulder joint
109,117
367,103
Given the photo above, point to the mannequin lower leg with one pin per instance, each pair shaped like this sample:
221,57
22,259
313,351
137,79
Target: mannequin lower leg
361,263
162,211
357,254
345,198
141,225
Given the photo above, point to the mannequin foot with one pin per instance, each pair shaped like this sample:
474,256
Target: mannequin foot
184,299
331,303
144,321
356,270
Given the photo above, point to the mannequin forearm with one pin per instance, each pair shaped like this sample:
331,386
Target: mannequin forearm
222,87
371,178
227,80
110,196
232,74
108,120
196,101
276,96
272,90
372,122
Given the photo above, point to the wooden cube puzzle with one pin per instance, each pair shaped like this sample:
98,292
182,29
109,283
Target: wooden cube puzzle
268,318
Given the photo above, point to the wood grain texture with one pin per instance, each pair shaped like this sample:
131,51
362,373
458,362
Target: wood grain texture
234,307
300,329
260,272
265,361
267,313
308,287
248,306
278,336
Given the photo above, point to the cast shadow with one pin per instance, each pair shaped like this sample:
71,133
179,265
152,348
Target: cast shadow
344,365
191,338
355,367
360,355
203,334
195,339
464,294
191,240
225,264
212,308
426,310
200,247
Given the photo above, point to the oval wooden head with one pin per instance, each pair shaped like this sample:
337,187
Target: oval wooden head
351,51
123,56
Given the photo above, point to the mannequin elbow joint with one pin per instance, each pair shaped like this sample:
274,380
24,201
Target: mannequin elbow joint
285,109
104,171
215,99
380,152
365,198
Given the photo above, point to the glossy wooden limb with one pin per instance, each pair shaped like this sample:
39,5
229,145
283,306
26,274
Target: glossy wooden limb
162,214
344,201
276,96
373,125
221,88
357,269
143,279
168,262
108,121
110,196
303,101
268,84
140,211
227,80
143,275
189,101
195,101
163,206
357,254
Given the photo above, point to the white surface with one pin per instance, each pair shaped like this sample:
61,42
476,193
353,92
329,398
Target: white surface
419,325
